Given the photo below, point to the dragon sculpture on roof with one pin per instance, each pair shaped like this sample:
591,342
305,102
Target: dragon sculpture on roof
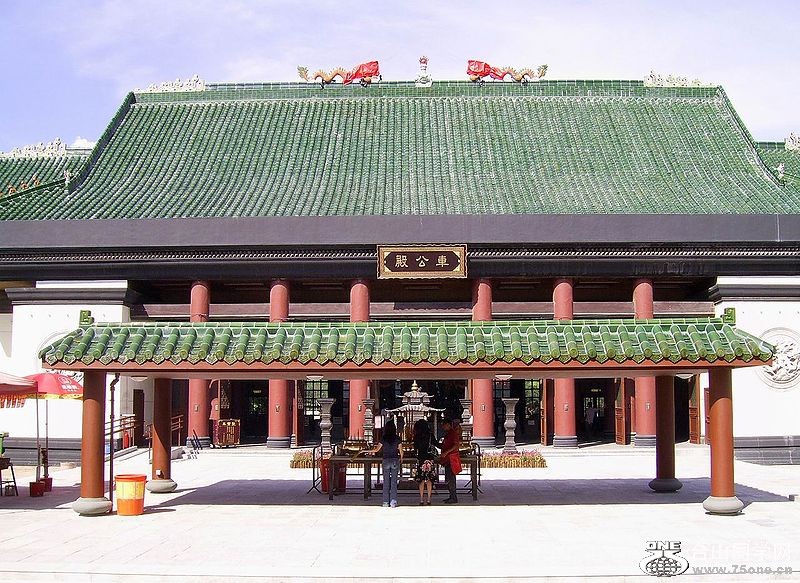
477,70
364,73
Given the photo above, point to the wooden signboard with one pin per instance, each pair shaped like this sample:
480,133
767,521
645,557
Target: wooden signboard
422,262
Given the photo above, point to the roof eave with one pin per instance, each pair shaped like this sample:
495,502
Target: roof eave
327,231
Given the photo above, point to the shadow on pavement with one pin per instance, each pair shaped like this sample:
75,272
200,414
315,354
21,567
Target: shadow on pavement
495,493
59,496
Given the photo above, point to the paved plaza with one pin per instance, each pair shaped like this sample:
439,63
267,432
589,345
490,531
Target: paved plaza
243,515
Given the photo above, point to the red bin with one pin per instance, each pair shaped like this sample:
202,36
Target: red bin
130,494
341,475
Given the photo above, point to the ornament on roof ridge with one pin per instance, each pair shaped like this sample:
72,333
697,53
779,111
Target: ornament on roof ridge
780,169
792,143
658,80
23,185
193,83
365,74
477,70
54,149
423,78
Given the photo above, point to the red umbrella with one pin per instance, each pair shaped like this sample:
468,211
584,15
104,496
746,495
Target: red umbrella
14,390
51,385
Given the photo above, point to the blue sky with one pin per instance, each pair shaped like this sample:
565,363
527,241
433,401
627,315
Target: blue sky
66,65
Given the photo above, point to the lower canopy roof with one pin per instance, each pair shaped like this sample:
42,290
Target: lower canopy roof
374,350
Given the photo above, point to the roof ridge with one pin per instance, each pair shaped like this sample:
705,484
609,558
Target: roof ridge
563,87
32,190
751,142
102,142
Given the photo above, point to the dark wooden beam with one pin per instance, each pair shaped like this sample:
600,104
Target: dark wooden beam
417,310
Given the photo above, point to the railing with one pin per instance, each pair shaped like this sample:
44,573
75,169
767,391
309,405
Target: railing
125,425
175,429
122,426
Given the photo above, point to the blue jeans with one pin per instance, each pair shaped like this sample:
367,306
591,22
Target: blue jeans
391,473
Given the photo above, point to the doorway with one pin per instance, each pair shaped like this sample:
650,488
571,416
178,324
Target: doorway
683,393
594,410
250,400
527,410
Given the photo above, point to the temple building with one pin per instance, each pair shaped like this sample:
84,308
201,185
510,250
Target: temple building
565,243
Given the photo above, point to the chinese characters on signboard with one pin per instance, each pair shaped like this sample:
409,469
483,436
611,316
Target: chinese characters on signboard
422,262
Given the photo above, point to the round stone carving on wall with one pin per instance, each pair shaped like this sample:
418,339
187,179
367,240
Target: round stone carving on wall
784,372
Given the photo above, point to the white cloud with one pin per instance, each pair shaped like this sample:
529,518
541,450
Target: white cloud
82,143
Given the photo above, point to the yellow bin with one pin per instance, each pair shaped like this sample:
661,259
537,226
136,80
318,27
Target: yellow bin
130,494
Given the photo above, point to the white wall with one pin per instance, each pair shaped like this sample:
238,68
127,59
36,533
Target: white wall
758,408
5,342
36,326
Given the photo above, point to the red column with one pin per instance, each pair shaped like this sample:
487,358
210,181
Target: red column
359,388
645,386
278,415
482,389
199,404
723,498
665,436
92,500
565,431
161,480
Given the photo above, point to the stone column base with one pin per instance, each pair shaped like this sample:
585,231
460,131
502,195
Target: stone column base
726,505
279,442
484,442
92,506
161,486
665,485
644,440
565,441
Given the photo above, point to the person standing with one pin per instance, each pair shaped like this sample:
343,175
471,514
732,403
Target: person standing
450,445
426,468
590,416
390,444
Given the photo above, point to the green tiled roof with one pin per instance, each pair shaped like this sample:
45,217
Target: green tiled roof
623,341
774,153
293,149
48,170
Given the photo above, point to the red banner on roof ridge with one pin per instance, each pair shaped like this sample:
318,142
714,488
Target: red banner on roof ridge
369,69
478,68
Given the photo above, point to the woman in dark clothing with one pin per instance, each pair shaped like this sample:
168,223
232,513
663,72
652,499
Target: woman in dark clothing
392,459
426,468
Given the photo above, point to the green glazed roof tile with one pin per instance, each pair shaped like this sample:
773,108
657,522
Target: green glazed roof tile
775,153
455,148
47,170
695,339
